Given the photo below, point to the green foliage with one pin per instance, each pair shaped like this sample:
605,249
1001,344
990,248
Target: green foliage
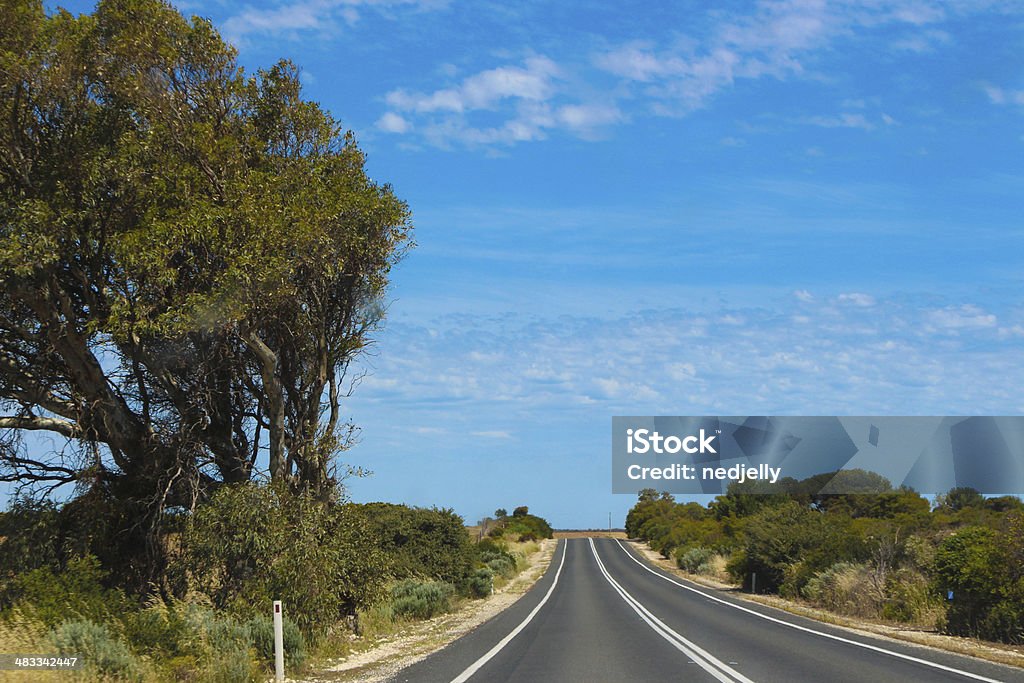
76,592
877,553
786,544
31,537
908,597
192,255
523,526
419,542
421,599
694,560
961,498
253,544
480,583
261,630
982,568
843,587
227,649
190,638
499,561
103,655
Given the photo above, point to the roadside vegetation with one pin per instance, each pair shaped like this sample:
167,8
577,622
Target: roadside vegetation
888,555
347,574
192,257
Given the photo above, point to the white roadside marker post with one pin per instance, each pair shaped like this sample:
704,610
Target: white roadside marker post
278,642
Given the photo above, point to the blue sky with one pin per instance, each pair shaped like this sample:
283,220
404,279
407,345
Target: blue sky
681,208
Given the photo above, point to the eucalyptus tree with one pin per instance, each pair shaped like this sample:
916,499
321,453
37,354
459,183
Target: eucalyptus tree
191,257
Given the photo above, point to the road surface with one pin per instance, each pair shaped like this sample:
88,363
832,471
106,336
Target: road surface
603,614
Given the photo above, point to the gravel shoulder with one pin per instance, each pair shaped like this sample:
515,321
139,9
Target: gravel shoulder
420,639
993,652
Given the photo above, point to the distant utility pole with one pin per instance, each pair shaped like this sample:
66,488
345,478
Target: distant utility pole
609,521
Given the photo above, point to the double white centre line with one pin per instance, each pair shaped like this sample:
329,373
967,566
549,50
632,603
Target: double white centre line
701,657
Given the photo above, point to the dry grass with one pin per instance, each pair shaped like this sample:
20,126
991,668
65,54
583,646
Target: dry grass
20,634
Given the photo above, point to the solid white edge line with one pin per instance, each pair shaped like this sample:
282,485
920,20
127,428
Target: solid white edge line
475,666
687,647
866,646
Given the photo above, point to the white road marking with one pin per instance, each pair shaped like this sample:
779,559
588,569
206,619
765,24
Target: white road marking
701,657
475,666
866,646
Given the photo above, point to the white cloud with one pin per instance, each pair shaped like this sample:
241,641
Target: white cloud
492,434
636,62
778,39
962,317
812,355
533,81
843,120
527,98
1003,96
803,295
294,19
857,299
391,122
923,41
587,117
432,431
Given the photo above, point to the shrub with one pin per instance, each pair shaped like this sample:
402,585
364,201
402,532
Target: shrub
480,583
526,527
76,592
101,652
778,534
694,560
978,565
908,598
261,629
251,544
499,562
420,542
189,639
421,599
843,587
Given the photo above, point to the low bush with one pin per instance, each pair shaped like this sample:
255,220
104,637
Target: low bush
480,583
421,599
261,629
843,588
103,655
694,560
909,600
76,592
500,562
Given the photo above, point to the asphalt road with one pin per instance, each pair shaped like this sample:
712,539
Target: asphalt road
603,614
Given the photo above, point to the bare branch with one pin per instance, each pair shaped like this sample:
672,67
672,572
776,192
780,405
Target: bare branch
49,424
